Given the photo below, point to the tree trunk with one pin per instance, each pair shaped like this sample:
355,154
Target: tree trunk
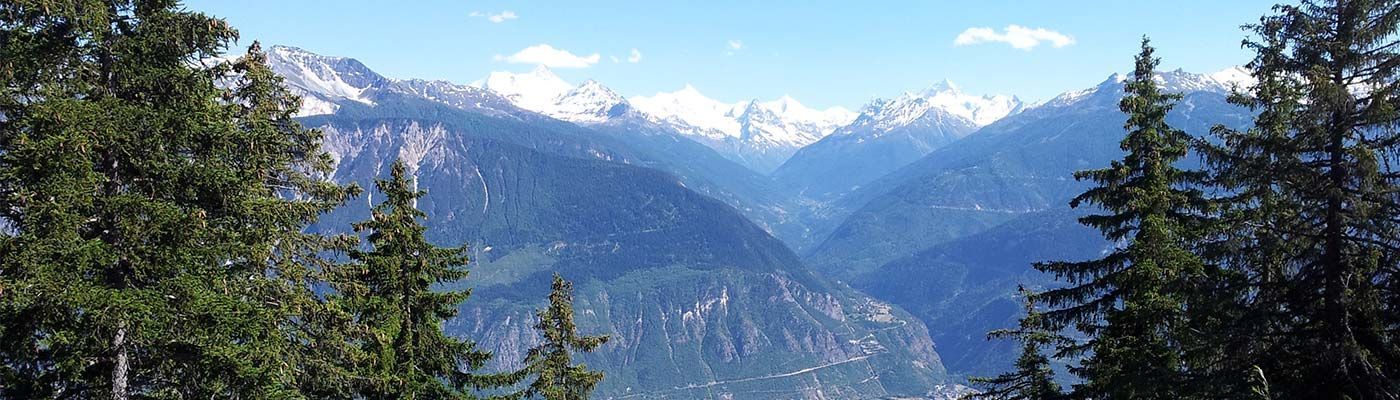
119,371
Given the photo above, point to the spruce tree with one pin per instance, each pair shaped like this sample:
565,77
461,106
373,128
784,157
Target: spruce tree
1313,209
403,352
1131,304
157,244
1033,378
556,377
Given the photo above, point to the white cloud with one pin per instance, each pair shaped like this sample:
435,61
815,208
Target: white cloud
496,18
734,46
503,17
549,56
1017,36
636,56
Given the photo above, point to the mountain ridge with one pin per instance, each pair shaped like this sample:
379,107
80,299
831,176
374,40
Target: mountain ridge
956,215
535,195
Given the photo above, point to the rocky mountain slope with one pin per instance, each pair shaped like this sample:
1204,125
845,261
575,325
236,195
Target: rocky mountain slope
952,234
886,135
701,303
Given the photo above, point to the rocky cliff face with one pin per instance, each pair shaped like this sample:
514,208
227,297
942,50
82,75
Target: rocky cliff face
700,302
681,333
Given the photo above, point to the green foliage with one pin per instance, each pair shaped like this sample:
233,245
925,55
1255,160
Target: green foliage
1131,304
157,247
401,351
1313,232
556,377
1033,379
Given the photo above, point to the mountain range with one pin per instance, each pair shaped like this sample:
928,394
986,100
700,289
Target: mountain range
754,249
699,301
952,235
753,133
888,134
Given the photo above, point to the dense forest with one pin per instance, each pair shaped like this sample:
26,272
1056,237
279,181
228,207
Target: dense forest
157,210
163,233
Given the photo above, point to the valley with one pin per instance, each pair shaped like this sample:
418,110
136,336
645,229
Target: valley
720,200
754,249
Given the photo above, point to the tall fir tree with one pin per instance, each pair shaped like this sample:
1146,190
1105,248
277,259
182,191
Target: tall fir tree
403,352
1033,378
1313,202
556,377
157,244
1131,304
317,329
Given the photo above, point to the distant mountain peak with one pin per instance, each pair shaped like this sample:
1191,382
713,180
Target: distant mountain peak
691,112
593,84
1236,75
324,83
593,89
945,97
689,90
283,49
535,90
590,102
339,77
757,133
1177,80
323,80
945,85
542,72
787,122
784,103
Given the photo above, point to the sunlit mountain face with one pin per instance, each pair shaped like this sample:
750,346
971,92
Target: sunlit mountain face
907,199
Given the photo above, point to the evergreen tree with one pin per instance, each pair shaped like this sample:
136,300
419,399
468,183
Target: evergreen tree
1033,378
157,244
1132,303
556,377
403,352
1313,209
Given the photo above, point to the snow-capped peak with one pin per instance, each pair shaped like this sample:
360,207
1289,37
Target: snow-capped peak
783,104
594,86
335,77
790,109
785,122
1185,82
590,102
944,96
1234,76
535,90
1177,81
981,110
689,92
692,112
541,91
322,80
943,86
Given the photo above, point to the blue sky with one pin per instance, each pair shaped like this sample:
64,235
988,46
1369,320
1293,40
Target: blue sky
822,53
